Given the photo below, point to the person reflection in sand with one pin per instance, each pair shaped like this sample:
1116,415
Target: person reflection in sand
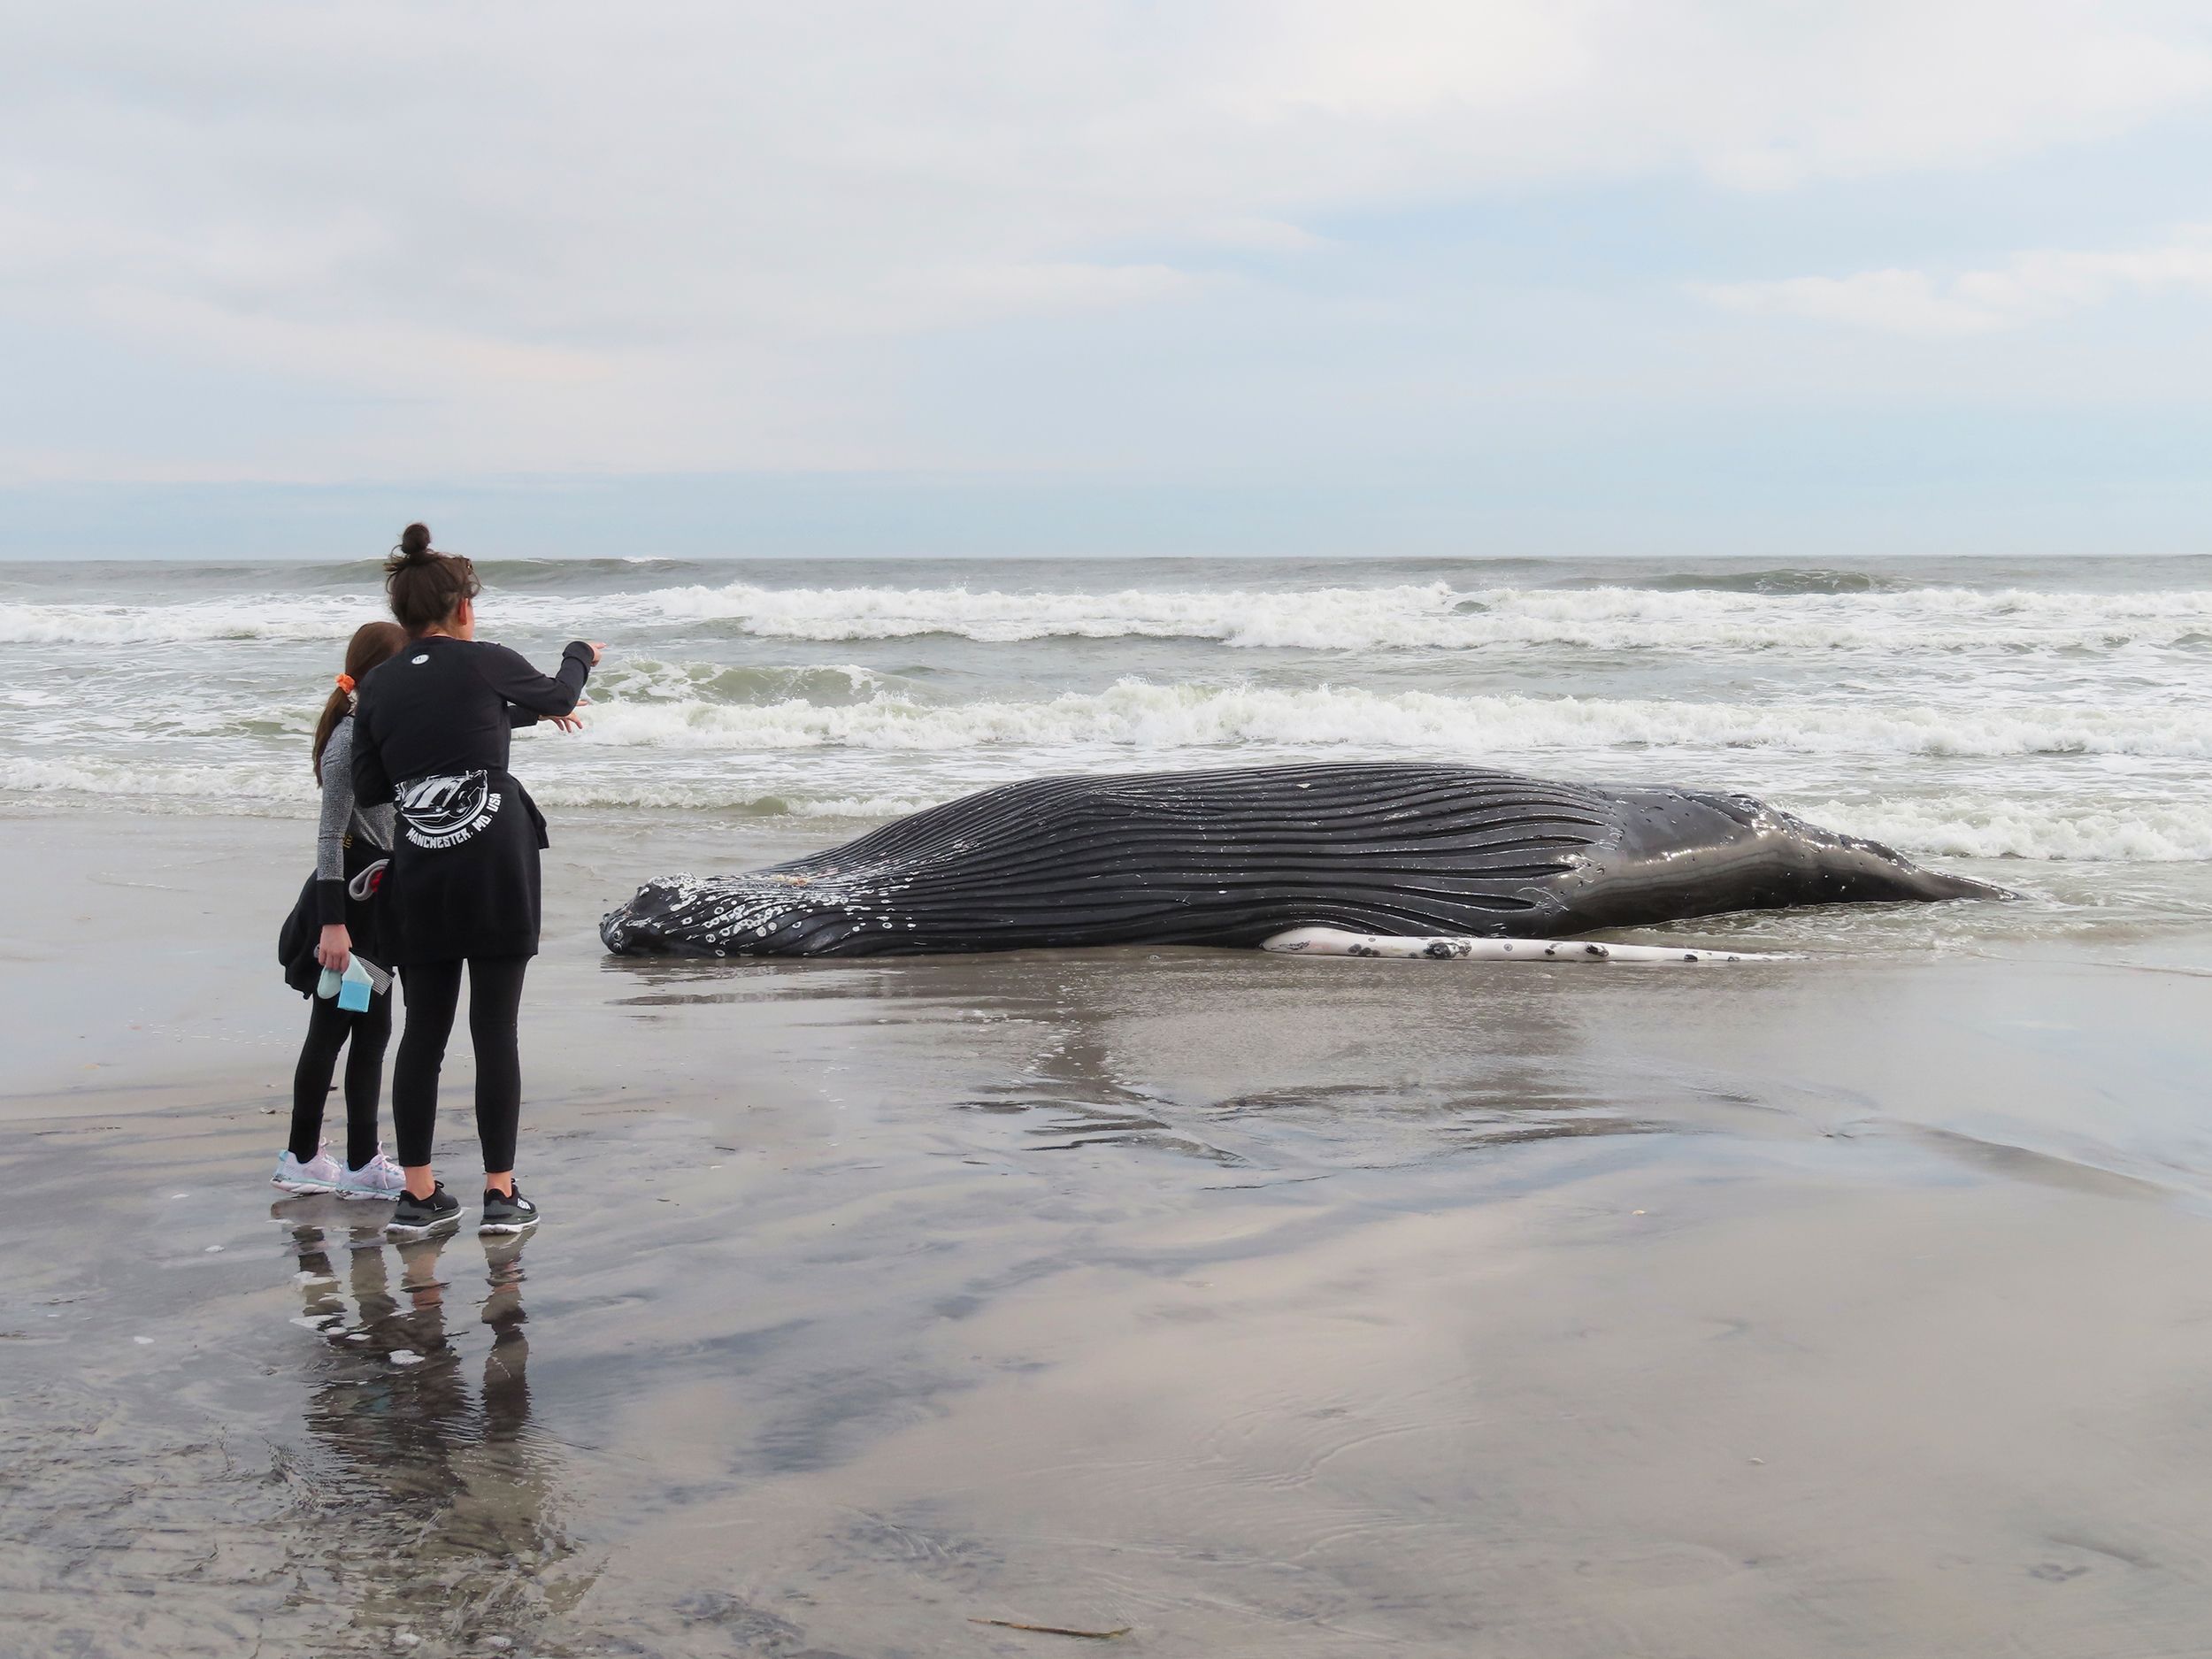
462,1499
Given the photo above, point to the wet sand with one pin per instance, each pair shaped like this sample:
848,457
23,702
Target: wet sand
1847,1305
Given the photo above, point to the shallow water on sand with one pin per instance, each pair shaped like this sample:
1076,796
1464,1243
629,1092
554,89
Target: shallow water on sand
1841,1305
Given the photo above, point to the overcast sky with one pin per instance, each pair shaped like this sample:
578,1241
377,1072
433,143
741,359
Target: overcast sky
1049,276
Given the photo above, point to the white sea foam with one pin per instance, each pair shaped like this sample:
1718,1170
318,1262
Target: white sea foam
1951,722
255,789
1963,824
1139,715
645,680
288,618
1407,616
870,807
243,784
2138,832
1435,615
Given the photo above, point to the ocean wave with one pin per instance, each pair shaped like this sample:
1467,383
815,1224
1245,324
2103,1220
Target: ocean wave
251,788
1959,824
2132,833
1437,617
643,681
244,785
1137,714
1430,617
295,617
1780,579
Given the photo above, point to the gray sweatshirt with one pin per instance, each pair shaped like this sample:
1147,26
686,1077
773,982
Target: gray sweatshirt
342,818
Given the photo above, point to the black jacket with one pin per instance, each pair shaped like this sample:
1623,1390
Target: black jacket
430,735
444,706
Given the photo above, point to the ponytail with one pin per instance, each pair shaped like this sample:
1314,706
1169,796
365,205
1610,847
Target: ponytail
372,644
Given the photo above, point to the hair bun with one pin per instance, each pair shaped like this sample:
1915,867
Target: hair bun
414,547
427,586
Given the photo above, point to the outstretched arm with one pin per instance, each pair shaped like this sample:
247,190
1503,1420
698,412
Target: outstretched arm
518,717
510,675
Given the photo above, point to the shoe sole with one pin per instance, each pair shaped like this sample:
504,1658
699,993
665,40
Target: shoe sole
303,1189
497,1228
412,1230
365,1193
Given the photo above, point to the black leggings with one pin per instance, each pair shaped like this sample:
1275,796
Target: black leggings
328,1027
433,990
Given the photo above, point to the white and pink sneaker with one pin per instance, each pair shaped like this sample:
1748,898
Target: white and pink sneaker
379,1177
319,1174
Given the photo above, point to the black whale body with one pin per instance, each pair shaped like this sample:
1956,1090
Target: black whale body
1233,857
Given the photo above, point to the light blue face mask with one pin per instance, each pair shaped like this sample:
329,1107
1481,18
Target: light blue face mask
362,980
355,989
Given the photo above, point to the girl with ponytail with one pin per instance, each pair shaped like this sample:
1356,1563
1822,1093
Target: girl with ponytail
337,915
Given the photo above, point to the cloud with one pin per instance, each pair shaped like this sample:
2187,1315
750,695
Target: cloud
1261,235
2029,288
696,233
1043,287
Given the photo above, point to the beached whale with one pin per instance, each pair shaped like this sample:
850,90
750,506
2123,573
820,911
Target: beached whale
1236,857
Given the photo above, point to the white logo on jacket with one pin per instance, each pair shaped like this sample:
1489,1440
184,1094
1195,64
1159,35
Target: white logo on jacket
446,811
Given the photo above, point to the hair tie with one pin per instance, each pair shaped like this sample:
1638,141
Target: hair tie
345,683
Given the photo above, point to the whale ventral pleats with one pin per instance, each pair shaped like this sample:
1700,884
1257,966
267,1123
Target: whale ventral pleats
1232,857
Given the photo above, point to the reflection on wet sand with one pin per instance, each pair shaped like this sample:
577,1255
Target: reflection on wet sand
1368,1063
1270,1308
463,1499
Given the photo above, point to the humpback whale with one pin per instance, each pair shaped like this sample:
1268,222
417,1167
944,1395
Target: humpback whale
1235,857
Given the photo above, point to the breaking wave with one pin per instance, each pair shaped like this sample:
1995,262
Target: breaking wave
2024,828
1957,712
1961,825
1430,617
1136,714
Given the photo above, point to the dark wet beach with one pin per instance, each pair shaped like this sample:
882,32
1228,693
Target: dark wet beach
1846,1305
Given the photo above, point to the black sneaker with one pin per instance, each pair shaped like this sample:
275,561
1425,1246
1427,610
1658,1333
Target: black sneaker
508,1212
414,1217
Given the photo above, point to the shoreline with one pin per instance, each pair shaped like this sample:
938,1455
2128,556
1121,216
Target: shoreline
1266,1306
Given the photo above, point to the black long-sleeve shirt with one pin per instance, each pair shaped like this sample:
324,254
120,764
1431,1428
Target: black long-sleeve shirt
444,705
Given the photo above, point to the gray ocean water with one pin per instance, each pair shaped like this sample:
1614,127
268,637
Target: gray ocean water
2053,716
1262,1306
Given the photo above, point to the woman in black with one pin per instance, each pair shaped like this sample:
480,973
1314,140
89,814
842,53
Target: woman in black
431,736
